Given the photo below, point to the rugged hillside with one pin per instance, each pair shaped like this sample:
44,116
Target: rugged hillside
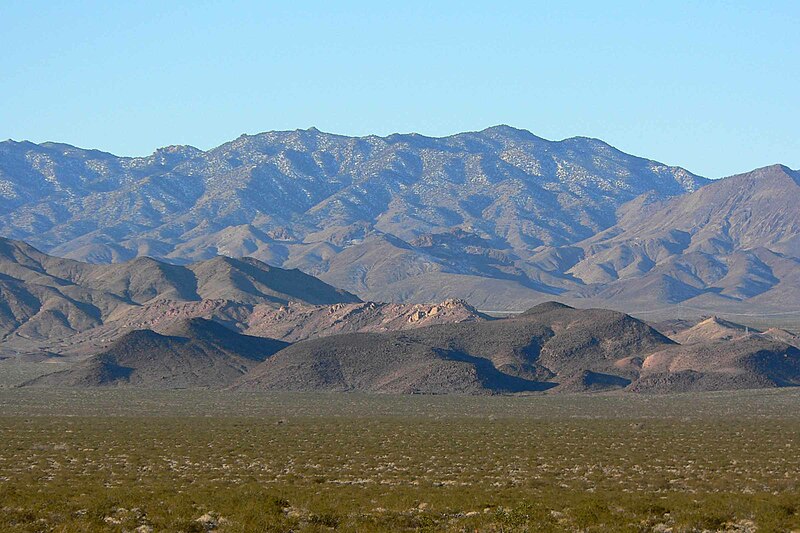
551,348
735,241
45,299
51,306
500,218
716,354
711,329
292,322
743,363
197,353
546,346
399,218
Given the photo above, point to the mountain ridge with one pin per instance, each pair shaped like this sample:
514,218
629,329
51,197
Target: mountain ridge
499,217
45,298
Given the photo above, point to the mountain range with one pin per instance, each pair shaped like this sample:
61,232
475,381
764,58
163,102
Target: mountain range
195,353
309,261
239,323
404,218
549,348
51,306
500,218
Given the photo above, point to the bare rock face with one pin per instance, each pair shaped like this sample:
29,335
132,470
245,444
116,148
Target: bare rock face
297,322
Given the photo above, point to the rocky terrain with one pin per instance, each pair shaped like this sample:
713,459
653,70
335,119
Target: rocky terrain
60,308
532,352
733,245
405,218
550,347
240,323
292,322
195,353
499,218
370,264
45,300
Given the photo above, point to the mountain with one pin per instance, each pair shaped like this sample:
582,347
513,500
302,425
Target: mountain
711,329
372,348
551,347
45,300
399,218
717,354
292,322
536,351
197,353
743,363
499,218
732,245
53,307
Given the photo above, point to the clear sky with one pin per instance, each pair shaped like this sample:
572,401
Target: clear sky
712,86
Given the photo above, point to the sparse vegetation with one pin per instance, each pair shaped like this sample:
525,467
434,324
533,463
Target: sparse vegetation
200,461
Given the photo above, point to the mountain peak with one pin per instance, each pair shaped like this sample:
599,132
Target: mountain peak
779,170
775,167
507,131
774,176
186,150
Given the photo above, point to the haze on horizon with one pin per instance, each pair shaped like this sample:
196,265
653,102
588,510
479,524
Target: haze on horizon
709,87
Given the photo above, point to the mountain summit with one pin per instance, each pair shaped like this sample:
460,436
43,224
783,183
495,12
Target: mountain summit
388,217
500,218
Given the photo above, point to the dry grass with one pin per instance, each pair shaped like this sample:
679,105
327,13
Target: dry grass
122,460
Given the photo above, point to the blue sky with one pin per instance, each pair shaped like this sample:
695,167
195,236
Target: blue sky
711,86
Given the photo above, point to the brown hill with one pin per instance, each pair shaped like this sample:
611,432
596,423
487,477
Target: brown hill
711,329
532,352
45,300
196,353
745,362
291,322
716,329
551,347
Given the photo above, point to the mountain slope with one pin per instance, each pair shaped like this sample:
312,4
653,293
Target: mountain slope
733,245
368,215
500,218
293,322
197,353
504,182
45,299
551,347
746,362
546,346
